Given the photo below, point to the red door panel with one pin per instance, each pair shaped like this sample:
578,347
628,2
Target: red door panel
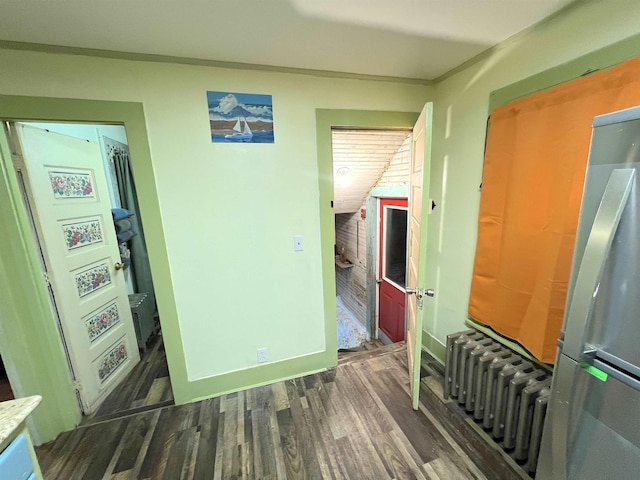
392,312
391,294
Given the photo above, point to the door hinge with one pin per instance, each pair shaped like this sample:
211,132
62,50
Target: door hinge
17,159
77,386
47,280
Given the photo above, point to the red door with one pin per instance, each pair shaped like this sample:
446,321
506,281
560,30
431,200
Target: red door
392,267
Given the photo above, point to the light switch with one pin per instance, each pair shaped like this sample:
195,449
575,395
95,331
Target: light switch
298,243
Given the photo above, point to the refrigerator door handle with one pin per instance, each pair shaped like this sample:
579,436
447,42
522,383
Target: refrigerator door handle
625,368
619,375
597,249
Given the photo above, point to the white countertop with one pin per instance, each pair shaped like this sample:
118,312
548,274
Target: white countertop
13,413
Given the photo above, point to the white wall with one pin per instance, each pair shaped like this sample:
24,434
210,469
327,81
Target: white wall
461,110
229,211
398,172
351,283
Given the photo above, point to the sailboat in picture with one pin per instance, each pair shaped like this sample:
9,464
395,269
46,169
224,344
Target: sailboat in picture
241,134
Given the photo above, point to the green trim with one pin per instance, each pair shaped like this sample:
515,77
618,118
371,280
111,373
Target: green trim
600,59
149,57
325,120
399,191
261,375
38,359
433,346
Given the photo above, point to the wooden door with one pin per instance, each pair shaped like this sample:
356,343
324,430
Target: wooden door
418,214
392,268
68,198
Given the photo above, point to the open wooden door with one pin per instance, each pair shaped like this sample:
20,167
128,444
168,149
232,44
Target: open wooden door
67,194
417,241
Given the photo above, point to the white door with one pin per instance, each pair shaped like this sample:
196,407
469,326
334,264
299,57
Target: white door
69,202
417,241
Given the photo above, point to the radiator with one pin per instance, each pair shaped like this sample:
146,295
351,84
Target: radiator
506,394
142,310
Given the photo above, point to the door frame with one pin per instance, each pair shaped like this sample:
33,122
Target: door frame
325,120
31,347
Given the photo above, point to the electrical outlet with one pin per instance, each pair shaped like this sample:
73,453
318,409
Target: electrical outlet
262,355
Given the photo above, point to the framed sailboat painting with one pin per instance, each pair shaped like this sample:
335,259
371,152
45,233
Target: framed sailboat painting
240,117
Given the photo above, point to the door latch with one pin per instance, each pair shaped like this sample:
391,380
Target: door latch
418,292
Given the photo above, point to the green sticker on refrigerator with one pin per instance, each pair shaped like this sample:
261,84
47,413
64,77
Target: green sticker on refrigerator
596,372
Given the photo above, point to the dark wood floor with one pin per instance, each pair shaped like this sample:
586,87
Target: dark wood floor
147,387
364,351
5,390
6,393
353,422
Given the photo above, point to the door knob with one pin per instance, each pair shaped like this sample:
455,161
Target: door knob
430,292
119,265
410,291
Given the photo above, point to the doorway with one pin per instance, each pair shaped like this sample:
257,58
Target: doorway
30,348
369,166
100,359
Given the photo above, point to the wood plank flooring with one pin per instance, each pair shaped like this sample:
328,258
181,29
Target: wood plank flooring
477,443
147,387
353,422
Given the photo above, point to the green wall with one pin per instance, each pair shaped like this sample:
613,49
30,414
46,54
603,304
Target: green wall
532,60
221,217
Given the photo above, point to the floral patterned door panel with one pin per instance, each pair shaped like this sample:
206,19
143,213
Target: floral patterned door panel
67,192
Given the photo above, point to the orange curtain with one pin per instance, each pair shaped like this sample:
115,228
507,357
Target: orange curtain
534,169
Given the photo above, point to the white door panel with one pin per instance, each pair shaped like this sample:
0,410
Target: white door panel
418,207
69,201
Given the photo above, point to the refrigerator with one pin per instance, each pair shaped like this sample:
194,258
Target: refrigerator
592,426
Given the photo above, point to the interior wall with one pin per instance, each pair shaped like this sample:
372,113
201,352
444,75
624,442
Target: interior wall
232,274
351,282
460,117
398,172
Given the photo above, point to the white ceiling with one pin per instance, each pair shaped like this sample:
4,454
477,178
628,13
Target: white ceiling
360,157
400,38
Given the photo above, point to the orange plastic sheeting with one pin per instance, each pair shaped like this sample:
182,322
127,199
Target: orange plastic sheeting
537,149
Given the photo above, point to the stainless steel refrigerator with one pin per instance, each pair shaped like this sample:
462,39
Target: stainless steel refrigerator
592,428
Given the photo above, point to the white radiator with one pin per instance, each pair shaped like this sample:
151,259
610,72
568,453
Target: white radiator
504,393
